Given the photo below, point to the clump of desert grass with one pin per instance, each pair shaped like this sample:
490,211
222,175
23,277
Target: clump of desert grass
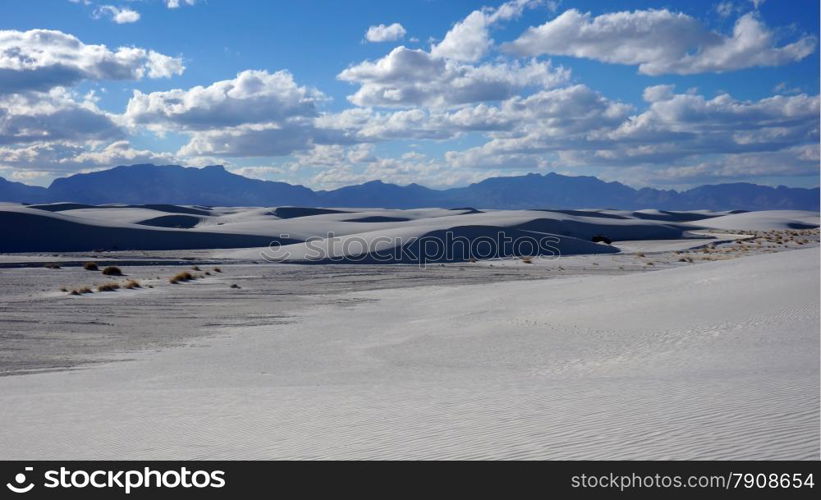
235,286
181,277
196,268
112,271
90,266
108,287
217,270
132,284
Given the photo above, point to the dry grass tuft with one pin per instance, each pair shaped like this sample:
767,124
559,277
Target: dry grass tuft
181,277
108,287
217,270
132,284
527,260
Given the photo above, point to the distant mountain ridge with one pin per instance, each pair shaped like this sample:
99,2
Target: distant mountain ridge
213,185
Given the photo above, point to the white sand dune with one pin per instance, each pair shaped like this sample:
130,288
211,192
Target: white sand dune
714,361
72,227
764,220
35,230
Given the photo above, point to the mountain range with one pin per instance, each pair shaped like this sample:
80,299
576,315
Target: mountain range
215,186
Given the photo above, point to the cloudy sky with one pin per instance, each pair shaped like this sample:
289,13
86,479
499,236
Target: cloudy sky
439,92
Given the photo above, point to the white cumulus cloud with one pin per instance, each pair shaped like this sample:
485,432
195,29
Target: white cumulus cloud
120,15
660,42
409,77
383,33
43,59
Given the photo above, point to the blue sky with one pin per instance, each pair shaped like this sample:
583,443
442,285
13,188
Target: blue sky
666,94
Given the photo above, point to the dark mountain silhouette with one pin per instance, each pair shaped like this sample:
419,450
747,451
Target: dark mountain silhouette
20,193
172,184
178,185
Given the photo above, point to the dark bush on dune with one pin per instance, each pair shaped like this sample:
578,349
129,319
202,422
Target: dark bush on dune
601,239
112,271
90,266
181,277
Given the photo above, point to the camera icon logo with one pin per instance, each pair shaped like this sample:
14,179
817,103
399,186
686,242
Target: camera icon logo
20,479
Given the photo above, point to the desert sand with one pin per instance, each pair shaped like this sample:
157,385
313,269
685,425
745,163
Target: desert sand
691,336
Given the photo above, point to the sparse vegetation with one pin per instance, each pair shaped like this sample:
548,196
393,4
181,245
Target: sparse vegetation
90,266
108,287
112,271
196,268
181,277
132,284
235,286
52,266
217,270
527,260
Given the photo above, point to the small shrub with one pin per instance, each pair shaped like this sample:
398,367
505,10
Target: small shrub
112,271
64,289
86,289
108,287
527,260
196,268
132,284
235,286
217,270
90,266
208,273
74,292
181,277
